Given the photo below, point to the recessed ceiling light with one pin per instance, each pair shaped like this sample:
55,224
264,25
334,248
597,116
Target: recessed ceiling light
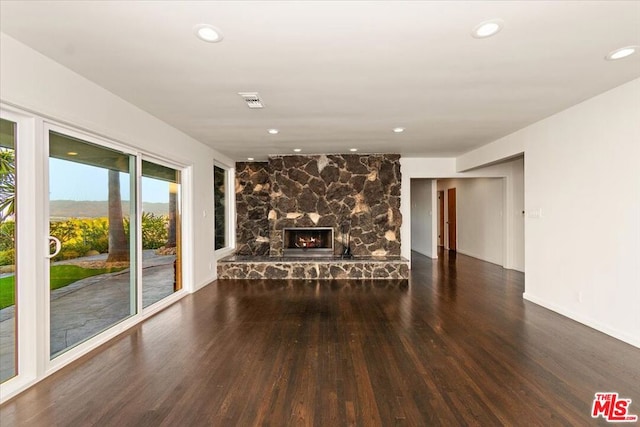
273,131
208,33
353,150
398,130
487,28
250,159
623,52
72,153
297,150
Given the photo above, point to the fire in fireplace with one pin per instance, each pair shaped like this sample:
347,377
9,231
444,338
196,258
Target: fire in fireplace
308,241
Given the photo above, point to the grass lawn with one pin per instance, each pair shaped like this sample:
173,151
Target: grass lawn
61,276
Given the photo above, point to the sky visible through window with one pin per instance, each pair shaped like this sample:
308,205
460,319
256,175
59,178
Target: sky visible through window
76,181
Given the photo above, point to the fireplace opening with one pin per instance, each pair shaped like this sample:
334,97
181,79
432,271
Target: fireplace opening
308,242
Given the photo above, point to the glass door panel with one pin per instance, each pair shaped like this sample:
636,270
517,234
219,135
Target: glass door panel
8,306
161,228
91,213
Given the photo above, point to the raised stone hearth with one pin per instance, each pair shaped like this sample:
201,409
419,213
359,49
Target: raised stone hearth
250,267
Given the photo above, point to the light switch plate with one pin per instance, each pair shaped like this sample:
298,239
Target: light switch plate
535,213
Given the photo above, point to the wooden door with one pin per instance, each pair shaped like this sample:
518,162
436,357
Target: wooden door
451,217
441,218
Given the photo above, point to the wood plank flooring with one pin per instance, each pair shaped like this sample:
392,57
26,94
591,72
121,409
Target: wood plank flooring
457,346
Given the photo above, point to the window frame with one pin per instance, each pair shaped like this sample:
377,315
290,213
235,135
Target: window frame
26,236
33,316
230,220
185,251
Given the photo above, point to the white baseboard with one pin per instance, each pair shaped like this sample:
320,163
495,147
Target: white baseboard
206,282
472,255
425,254
598,326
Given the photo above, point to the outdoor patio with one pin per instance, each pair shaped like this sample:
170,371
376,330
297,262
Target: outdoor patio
91,305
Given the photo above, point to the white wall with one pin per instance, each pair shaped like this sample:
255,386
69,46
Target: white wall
33,82
582,258
479,216
441,168
517,215
422,217
486,155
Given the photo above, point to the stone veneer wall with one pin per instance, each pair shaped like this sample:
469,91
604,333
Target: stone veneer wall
320,191
331,190
253,189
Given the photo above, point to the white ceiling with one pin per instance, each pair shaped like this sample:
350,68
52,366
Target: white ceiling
336,75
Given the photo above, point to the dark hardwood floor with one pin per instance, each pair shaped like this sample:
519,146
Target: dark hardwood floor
457,346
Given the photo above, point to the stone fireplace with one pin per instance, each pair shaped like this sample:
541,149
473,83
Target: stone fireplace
308,241
353,192
294,215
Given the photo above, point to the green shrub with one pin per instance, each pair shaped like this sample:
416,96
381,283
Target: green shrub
7,235
154,230
100,244
79,236
65,231
95,233
8,257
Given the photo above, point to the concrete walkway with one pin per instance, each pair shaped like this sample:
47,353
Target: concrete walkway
89,306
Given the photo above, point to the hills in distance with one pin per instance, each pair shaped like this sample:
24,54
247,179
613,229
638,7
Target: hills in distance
62,209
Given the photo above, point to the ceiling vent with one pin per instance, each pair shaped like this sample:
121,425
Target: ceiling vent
252,99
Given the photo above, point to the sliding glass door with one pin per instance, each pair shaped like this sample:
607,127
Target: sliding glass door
8,283
90,236
161,232
92,211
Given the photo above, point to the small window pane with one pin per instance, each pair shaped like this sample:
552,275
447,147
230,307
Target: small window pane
220,207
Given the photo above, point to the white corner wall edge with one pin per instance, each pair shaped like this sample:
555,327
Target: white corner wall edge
497,151
585,320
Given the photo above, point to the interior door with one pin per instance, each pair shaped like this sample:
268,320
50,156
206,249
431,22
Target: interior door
451,218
